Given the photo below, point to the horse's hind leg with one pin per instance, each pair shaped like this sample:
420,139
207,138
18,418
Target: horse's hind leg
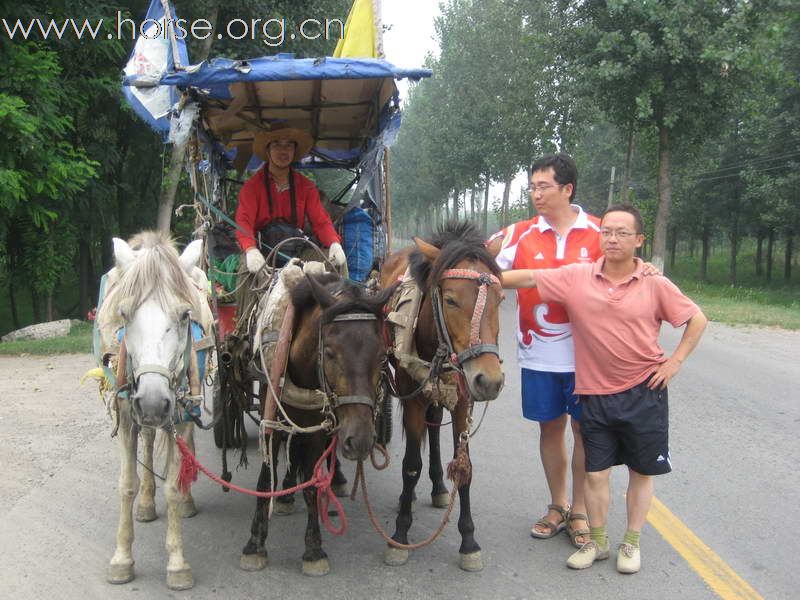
120,569
440,497
470,552
146,509
413,423
315,561
254,553
179,573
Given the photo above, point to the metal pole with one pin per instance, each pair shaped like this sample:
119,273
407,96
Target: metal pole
611,187
377,13
388,194
169,23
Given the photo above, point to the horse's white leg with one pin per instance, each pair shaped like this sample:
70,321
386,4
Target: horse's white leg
120,569
188,509
146,509
179,573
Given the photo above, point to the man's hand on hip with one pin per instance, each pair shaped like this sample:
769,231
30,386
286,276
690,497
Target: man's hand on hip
666,371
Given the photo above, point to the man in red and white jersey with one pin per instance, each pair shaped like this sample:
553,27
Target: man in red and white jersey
561,233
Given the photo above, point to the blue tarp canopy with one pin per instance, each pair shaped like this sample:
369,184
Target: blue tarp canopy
343,102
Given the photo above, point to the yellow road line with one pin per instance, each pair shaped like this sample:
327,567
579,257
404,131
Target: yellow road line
715,571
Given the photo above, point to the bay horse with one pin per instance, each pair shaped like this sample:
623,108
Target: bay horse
338,347
154,298
458,278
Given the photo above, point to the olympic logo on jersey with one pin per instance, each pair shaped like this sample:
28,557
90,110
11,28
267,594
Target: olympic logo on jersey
546,323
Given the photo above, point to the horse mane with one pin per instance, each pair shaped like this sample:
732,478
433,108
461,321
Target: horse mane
156,273
457,240
351,297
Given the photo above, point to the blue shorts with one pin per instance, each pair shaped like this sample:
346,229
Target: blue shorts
547,396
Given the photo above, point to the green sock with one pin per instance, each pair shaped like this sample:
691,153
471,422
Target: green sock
599,535
632,538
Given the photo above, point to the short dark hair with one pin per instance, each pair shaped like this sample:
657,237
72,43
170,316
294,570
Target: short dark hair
564,169
631,210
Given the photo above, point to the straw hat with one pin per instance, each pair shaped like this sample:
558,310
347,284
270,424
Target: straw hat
302,140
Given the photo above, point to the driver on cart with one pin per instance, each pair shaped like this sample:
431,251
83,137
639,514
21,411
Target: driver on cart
275,202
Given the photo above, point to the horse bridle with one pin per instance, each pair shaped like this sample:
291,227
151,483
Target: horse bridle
476,347
335,400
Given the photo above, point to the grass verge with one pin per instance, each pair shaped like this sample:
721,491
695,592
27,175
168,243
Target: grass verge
79,341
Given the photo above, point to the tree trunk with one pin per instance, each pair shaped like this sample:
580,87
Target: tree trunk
692,246
49,307
734,236
83,278
664,198
626,171
485,227
770,251
447,210
37,307
706,247
673,247
759,252
13,304
472,203
506,194
787,258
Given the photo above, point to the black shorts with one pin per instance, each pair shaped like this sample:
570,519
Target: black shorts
629,428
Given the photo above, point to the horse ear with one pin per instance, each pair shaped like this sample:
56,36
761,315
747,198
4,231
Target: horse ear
429,251
123,253
323,297
190,255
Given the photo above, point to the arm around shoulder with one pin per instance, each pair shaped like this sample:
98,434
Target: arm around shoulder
518,278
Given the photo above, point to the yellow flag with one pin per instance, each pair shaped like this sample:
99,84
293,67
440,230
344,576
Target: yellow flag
359,33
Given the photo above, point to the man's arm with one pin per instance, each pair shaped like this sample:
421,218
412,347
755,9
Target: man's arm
691,336
518,278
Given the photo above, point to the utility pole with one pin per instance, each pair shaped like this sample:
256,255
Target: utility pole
611,187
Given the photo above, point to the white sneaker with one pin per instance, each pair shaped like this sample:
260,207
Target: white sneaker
629,559
588,553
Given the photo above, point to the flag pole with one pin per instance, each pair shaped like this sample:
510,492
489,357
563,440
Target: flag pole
169,23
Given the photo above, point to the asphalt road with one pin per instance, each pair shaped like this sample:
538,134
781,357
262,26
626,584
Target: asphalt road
734,420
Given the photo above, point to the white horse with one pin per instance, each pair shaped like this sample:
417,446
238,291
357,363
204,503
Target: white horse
154,293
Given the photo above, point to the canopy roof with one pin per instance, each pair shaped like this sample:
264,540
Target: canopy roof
343,102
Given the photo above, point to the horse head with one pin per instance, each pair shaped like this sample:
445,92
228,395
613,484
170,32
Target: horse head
154,300
460,277
340,349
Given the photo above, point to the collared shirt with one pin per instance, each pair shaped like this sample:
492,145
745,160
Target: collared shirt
616,326
545,336
253,212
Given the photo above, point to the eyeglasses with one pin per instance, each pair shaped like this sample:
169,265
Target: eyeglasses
532,189
621,234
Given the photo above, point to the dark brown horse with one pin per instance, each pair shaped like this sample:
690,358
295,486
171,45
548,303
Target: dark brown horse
455,273
338,347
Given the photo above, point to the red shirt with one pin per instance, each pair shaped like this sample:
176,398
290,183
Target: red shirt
253,211
616,326
545,336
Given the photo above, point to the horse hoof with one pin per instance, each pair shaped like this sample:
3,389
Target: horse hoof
471,562
188,509
120,573
340,490
284,508
395,557
316,568
253,562
440,500
146,513
180,580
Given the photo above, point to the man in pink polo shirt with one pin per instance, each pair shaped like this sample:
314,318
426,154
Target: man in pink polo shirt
621,373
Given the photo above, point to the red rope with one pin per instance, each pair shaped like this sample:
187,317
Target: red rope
320,480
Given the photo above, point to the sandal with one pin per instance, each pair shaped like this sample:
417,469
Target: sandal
575,533
552,528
